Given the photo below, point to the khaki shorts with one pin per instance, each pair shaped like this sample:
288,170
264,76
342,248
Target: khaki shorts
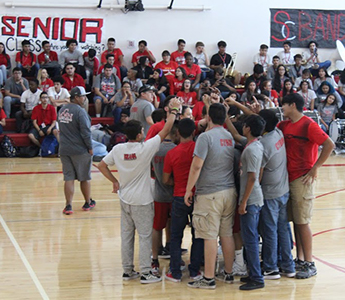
214,214
300,204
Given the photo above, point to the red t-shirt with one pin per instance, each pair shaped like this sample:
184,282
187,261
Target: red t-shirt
301,140
46,84
25,60
178,161
95,62
4,59
136,56
197,110
117,53
178,57
52,56
192,72
281,93
77,81
190,98
2,114
167,68
154,130
46,116
175,85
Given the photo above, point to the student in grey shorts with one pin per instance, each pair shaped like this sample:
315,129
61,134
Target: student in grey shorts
76,148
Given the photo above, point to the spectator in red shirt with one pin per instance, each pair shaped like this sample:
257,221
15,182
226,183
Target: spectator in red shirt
26,60
193,70
143,51
44,119
176,82
167,65
48,59
5,64
178,55
44,82
273,95
187,94
2,119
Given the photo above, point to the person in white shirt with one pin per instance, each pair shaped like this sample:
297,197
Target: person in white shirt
262,57
58,95
286,56
313,60
202,60
308,95
305,76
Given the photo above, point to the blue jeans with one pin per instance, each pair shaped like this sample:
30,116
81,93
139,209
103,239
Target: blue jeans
179,219
33,71
274,230
8,101
250,236
117,114
1,129
326,64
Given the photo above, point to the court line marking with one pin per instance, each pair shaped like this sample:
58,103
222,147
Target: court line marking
45,172
64,219
329,193
24,259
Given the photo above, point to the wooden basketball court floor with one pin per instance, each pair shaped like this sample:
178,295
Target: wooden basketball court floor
47,255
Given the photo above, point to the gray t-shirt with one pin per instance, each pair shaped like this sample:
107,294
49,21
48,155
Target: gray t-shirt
75,132
275,180
162,192
15,88
326,112
74,57
140,110
107,86
216,148
119,96
251,160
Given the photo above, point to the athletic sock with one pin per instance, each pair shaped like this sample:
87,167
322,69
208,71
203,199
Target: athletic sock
239,257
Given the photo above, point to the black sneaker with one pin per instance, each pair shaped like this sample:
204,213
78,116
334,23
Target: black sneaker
308,271
203,283
88,206
164,253
130,276
68,210
149,278
271,275
299,264
245,279
225,277
252,285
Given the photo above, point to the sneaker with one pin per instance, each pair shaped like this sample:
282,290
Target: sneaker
155,267
239,270
184,251
203,284
169,276
299,264
130,276
245,279
182,265
68,210
287,274
198,276
149,278
252,285
164,253
88,206
308,271
225,277
271,275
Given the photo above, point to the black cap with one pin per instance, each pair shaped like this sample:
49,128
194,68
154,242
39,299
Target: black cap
146,88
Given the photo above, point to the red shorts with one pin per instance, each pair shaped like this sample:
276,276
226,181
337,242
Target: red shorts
237,227
162,214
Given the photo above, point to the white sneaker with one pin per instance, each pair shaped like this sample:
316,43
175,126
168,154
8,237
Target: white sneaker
239,270
150,278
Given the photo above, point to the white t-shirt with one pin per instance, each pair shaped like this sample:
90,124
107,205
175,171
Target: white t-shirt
307,97
262,60
311,62
64,94
201,59
286,58
30,99
299,80
133,162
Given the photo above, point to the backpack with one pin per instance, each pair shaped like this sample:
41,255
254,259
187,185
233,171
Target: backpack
8,147
49,146
28,152
116,138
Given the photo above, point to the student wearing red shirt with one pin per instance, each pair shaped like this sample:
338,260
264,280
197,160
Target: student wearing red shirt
302,139
273,95
44,81
44,119
193,70
48,59
176,171
116,70
143,51
167,65
5,64
2,119
187,95
178,55
26,60
176,82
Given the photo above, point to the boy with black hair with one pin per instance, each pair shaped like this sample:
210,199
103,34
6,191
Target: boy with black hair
176,170
312,58
303,137
296,70
27,61
271,70
178,55
133,161
143,51
116,70
167,65
58,95
305,76
286,56
48,60
258,76
262,57
91,65
74,56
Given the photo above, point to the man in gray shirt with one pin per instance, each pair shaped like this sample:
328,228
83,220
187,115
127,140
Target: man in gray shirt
142,109
74,56
76,148
214,208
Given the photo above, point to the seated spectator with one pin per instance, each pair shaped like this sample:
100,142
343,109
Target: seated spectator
160,83
91,64
341,87
296,70
272,94
193,71
143,68
262,58
44,82
178,55
143,51
265,100
279,78
118,58
2,119
286,56
201,59
308,95
135,82
271,70
327,112
48,59
124,99
287,89
58,95
43,120
324,90
322,76
223,84
176,82
14,87
106,85
204,87
186,113
5,65
111,60
28,100
258,77
167,65
313,60
74,56
187,94
27,61
305,76
250,91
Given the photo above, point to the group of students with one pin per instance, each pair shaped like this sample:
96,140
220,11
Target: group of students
276,167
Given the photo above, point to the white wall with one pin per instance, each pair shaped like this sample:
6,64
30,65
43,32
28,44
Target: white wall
244,25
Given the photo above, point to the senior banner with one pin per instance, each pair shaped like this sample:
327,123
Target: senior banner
300,26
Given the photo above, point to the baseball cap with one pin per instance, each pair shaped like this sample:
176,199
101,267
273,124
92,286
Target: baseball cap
78,91
146,88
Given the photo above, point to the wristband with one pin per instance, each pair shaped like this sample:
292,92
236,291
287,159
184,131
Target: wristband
175,108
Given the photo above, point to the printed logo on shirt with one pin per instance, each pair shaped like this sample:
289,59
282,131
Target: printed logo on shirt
65,116
159,159
280,143
225,142
134,109
131,156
